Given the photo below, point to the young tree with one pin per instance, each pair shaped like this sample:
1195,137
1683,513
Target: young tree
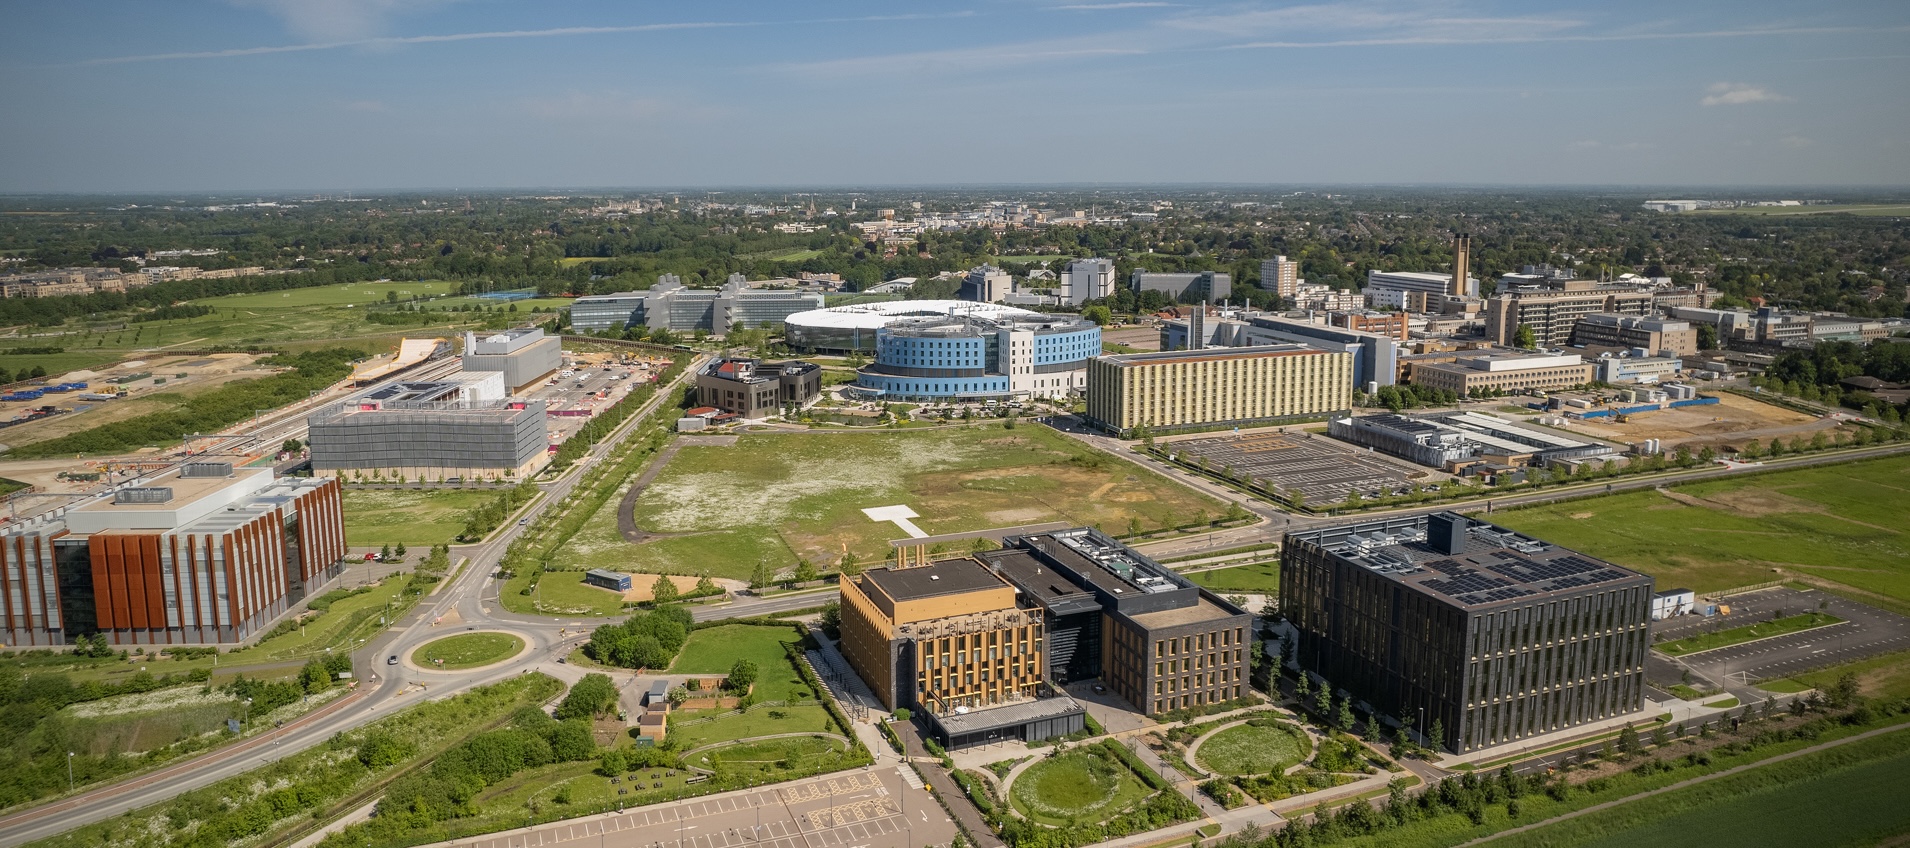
400,550
663,591
805,571
741,675
1344,718
1437,736
761,576
832,616
384,554
706,586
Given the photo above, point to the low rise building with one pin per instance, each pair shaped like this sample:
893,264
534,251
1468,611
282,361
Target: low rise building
1451,439
1505,372
1087,279
1389,289
524,357
1210,286
753,389
204,553
1172,390
1636,367
1655,335
669,305
1391,324
972,357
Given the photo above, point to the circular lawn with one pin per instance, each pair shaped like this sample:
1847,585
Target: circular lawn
1261,746
1078,785
467,650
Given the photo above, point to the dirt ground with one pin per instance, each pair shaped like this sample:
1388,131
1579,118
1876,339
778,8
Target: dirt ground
202,373
1732,421
642,584
1142,338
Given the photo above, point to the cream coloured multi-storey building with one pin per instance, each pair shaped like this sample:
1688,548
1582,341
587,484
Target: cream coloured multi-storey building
1194,388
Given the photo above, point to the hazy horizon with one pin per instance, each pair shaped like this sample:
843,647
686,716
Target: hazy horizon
287,96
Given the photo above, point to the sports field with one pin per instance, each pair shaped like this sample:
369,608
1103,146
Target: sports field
772,498
1842,523
1849,795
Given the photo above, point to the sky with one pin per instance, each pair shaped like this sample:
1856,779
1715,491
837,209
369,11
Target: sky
369,95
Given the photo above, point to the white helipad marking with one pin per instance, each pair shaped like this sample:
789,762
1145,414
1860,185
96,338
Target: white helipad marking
900,515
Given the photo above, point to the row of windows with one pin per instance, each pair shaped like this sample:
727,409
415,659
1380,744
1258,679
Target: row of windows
1195,699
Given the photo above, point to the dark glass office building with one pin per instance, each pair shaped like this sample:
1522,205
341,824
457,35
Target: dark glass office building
1496,635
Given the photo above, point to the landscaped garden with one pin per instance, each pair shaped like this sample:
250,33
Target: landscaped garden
1260,746
1082,785
765,757
467,650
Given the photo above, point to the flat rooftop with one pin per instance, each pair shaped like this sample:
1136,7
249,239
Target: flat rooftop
1011,714
185,491
1492,565
1046,586
947,577
1213,354
1205,610
1112,568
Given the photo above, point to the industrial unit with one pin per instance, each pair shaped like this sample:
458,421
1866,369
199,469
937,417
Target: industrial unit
1493,635
523,356
1183,389
200,554
1442,440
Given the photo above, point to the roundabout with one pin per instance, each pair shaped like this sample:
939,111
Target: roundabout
473,649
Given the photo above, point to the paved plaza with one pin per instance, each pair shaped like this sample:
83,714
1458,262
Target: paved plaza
1322,469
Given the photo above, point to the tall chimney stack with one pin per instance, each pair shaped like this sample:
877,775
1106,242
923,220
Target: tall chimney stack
1461,263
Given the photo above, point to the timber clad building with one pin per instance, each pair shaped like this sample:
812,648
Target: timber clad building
1496,636
202,554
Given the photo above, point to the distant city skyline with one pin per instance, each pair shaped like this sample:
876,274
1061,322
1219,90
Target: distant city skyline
379,95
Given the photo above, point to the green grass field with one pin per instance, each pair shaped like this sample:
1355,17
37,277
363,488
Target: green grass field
1738,635
418,518
1842,523
713,650
467,650
1025,258
344,294
1250,749
768,756
1256,577
1850,795
773,498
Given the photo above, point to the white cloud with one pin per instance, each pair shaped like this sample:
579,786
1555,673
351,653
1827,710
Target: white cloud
1737,94
337,20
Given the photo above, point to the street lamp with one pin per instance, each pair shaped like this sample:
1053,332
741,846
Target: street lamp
248,714
69,771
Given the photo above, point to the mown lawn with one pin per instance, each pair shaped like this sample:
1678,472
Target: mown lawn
1078,787
1842,523
467,650
714,650
1248,749
1259,577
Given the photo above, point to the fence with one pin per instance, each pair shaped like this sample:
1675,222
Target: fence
1770,584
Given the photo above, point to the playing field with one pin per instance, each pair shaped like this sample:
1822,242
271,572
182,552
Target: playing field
1842,523
1850,795
772,498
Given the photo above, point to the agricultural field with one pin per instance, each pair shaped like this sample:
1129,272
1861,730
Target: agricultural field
417,518
1850,795
772,498
1262,748
1841,523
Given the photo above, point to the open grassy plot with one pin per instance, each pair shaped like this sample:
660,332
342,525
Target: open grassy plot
416,518
687,732
566,590
1886,676
343,294
348,619
713,650
467,650
1851,795
1842,523
1736,635
773,498
1257,748
766,757
1253,577
1078,787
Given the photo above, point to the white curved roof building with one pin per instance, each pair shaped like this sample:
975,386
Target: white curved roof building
845,328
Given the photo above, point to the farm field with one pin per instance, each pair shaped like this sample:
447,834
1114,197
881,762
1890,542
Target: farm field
1841,523
772,498
416,518
1850,795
